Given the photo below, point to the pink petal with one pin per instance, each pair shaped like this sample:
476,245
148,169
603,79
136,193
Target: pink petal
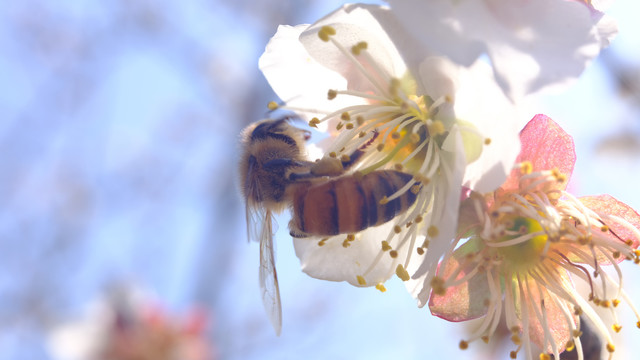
463,302
607,204
556,322
546,146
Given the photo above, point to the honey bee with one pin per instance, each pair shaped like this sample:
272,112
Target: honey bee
323,198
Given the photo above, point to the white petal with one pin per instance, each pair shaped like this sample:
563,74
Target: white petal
334,262
533,43
444,216
607,29
481,102
354,24
439,77
295,76
436,24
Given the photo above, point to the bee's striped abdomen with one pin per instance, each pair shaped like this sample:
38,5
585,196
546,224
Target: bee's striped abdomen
350,204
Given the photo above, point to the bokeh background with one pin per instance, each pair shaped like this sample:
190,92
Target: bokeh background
119,125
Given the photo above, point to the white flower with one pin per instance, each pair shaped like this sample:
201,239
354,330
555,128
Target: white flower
357,72
531,44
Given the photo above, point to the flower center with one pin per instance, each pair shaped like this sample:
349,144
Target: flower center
529,242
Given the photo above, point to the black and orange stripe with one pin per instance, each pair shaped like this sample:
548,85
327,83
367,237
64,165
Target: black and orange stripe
351,203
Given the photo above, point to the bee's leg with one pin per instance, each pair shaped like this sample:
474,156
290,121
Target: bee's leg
278,164
296,176
356,155
295,232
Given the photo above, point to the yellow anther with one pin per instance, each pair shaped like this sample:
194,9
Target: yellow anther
604,228
393,254
359,120
487,141
380,147
463,345
605,303
345,158
544,356
322,242
615,302
421,178
485,339
331,94
433,231
351,237
616,327
345,116
349,126
397,229
333,154
570,345
402,273
383,201
577,310
357,48
611,348
385,246
339,126
616,254
420,251
437,286
346,244
362,134
526,167
561,178
326,32
381,287
516,339
513,354
437,128
361,280
314,122
398,166
272,105
418,219
638,324
577,333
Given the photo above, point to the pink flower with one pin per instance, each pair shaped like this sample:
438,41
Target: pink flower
528,245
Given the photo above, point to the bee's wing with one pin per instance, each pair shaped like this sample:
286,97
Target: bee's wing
254,212
255,217
268,275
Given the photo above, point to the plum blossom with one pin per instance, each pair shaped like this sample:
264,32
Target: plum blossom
527,246
531,44
357,73
130,327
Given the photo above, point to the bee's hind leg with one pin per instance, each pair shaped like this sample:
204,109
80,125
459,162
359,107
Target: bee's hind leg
295,232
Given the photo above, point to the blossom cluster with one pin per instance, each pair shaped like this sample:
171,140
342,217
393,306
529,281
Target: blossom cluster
432,89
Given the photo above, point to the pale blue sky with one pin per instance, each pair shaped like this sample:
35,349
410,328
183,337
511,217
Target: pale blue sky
119,134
